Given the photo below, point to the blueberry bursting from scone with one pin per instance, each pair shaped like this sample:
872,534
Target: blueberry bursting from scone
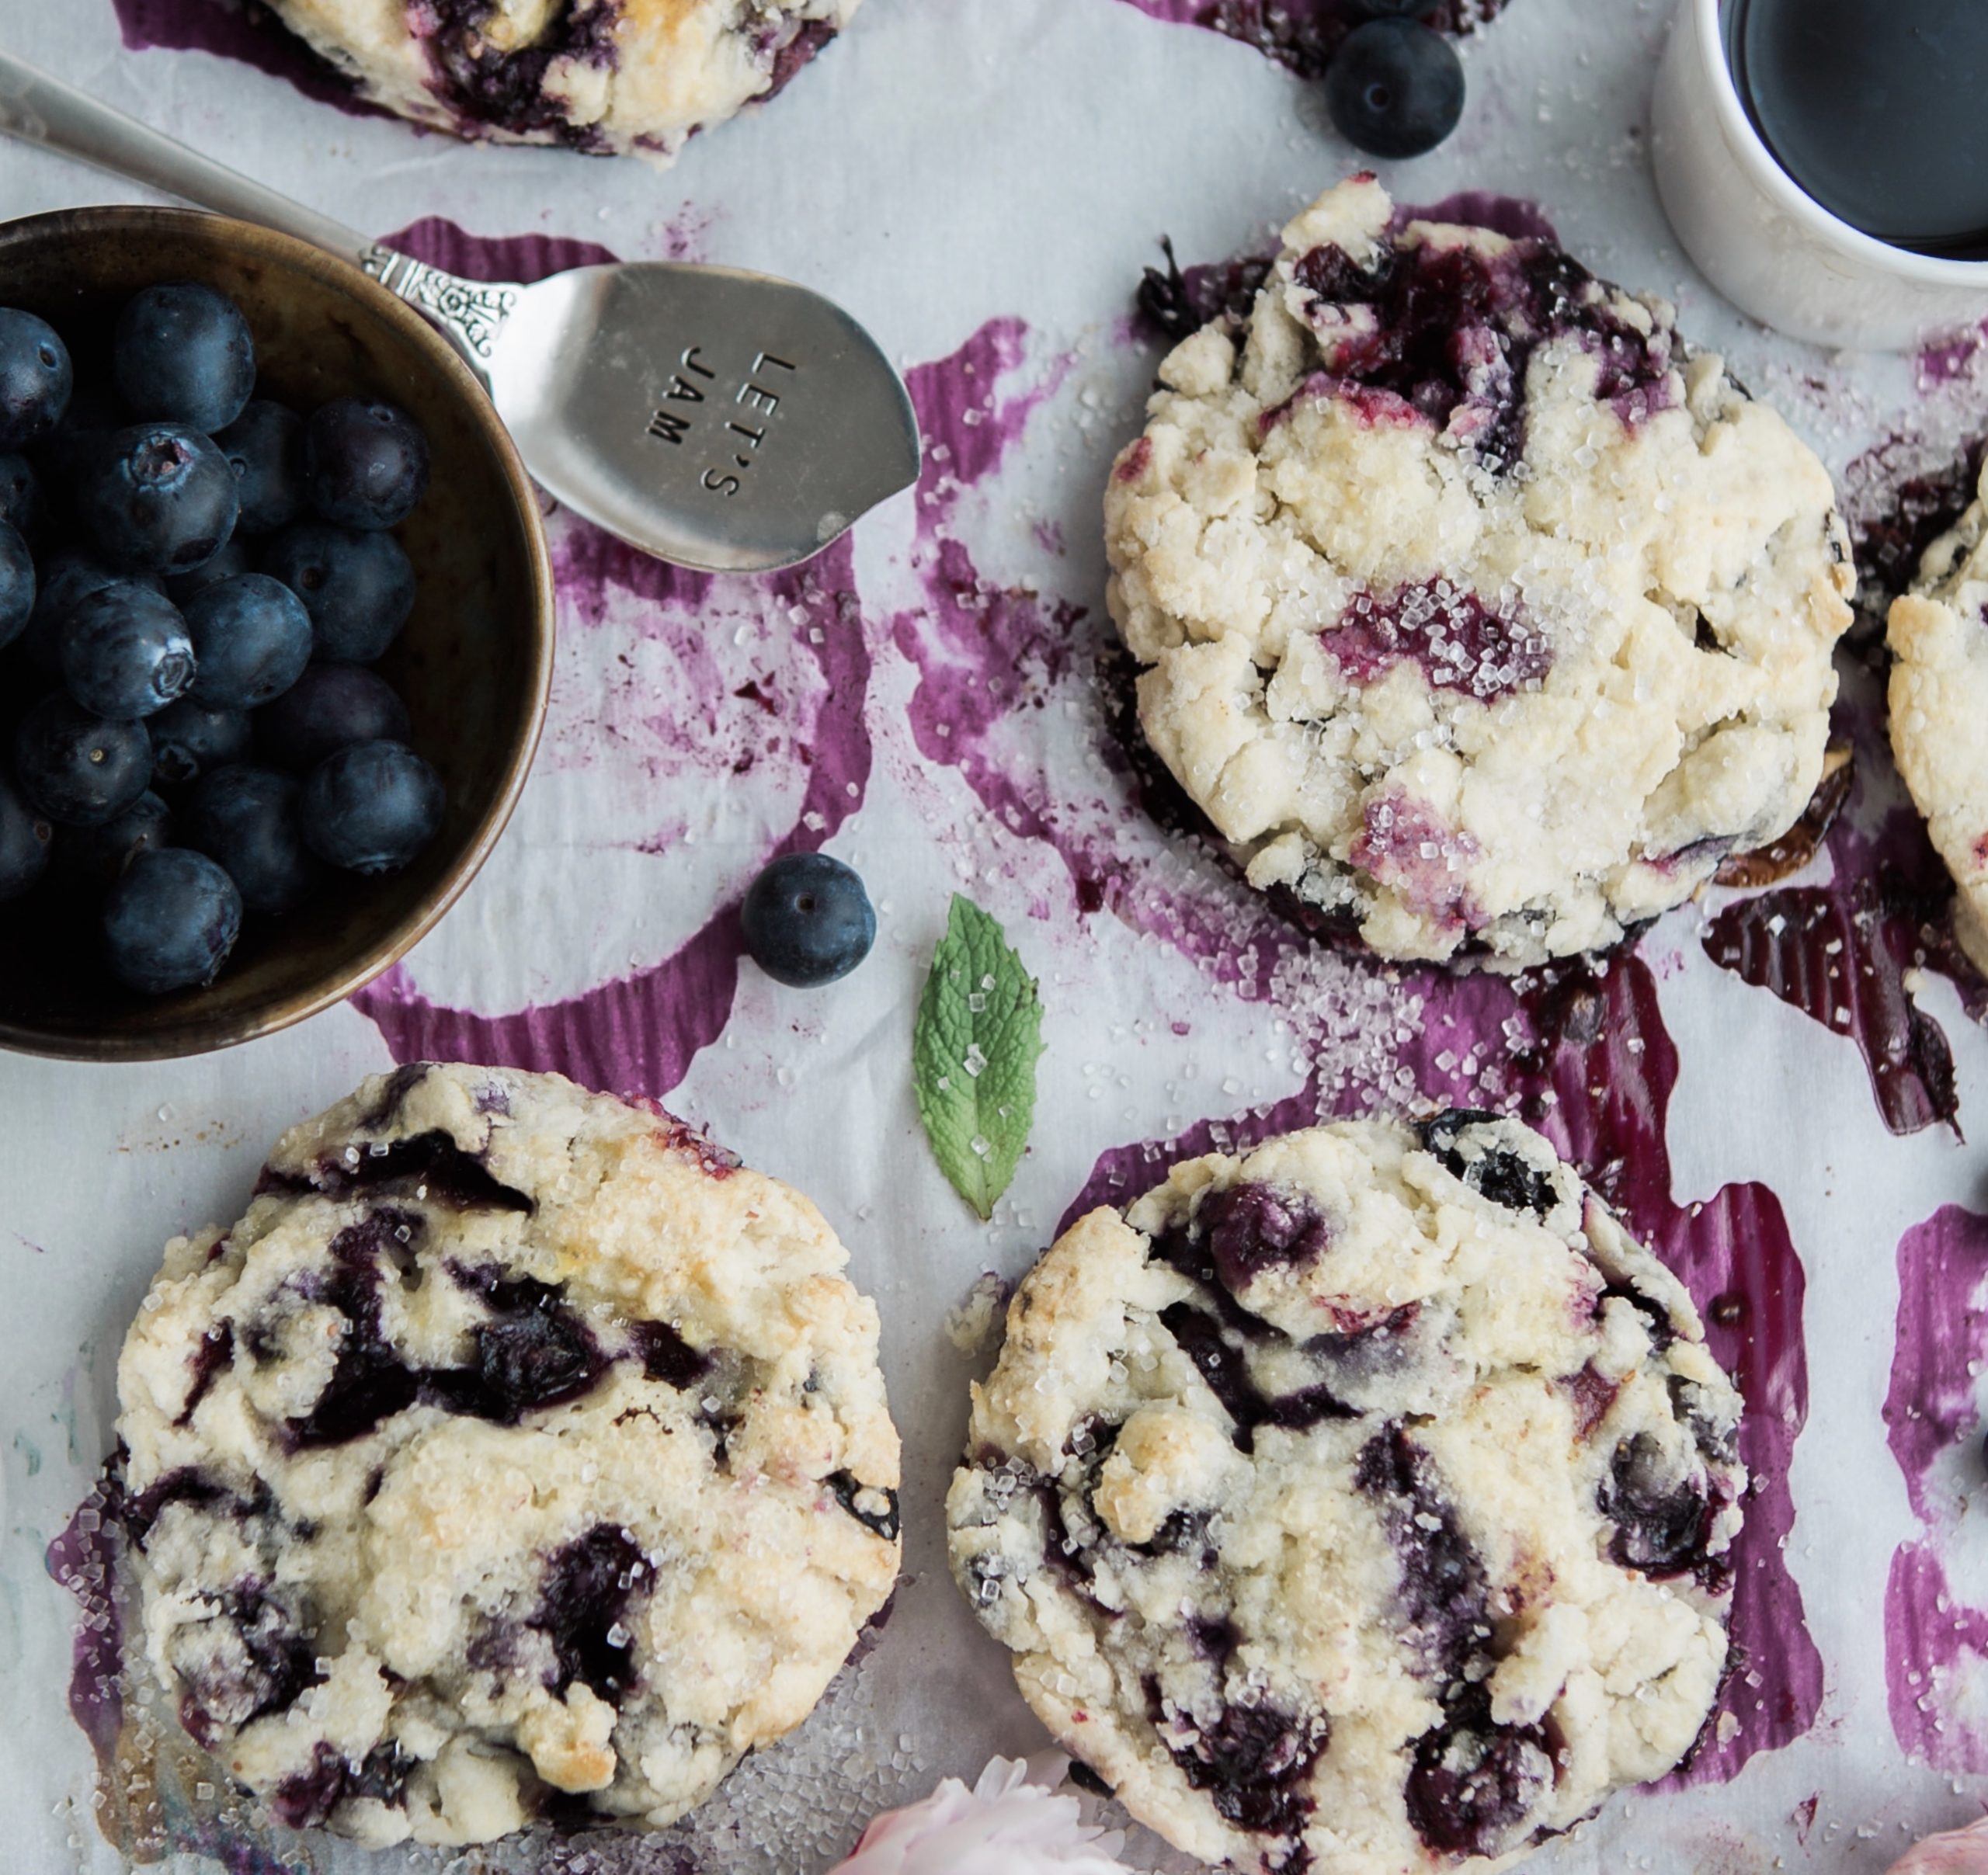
603,76
1479,614
518,1453
1365,1503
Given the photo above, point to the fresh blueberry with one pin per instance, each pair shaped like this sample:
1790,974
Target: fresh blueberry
371,807
35,378
17,584
24,843
96,856
158,497
76,768
232,559
365,462
190,740
170,921
66,581
246,818
329,707
125,652
21,505
1395,87
182,353
264,445
808,920
251,638
358,588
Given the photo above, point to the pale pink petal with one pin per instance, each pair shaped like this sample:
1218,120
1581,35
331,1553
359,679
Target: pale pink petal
1012,1822
1954,1852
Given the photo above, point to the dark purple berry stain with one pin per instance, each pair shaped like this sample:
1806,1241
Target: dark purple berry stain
1251,1228
1453,332
1176,303
1592,1393
307,1798
430,1166
590,1586
1500,1176
1663,1520
216,1350
253,1656
667,1356
1457,642
1444,1592
505,90
532,1352
1223,1361
1473,1783
874,1506
1252,1762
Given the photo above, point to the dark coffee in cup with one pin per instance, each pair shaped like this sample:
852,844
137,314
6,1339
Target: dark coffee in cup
1877,110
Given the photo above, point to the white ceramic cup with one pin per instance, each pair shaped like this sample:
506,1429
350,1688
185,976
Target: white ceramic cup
1770,249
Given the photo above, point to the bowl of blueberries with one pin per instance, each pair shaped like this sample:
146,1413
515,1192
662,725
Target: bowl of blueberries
276,631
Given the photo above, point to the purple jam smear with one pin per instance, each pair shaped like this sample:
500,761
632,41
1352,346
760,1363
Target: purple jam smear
793,52
1456,642
638,1035
1303,34
243,30
216,1351
1930,1413
83,1559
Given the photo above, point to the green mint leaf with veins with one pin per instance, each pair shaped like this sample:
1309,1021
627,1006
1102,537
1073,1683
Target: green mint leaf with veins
974,1051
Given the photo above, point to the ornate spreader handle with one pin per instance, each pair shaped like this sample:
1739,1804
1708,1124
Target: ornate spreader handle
471,312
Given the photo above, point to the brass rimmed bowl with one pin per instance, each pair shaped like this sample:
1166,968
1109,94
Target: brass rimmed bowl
474,663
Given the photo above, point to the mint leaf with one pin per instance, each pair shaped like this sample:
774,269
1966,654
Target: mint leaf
973,1055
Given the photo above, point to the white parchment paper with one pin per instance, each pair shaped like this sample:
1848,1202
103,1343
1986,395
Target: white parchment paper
948,164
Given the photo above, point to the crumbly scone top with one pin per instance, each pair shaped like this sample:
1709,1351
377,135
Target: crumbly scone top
1362,1504
605,76
518,1449
1477,611
1938,697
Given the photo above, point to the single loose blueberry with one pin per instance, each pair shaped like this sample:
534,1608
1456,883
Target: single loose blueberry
246,818
66,580
1395,88
365,462
183,353
251,638
25,837
21,504
157,497
358,588
96,856
233,559
807,920
125,652
188,740
265,447
35,378
170,921
17,584
76,768
331,706
371,807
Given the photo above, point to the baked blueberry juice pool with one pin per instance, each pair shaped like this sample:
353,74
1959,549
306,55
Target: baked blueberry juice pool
1874,111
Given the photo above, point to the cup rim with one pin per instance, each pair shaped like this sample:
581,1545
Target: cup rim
1774,181
194,1035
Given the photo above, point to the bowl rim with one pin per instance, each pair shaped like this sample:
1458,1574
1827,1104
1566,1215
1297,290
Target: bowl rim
194,1036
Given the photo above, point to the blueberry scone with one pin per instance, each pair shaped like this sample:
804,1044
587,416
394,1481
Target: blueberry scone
518,1452
1479,613
1939,634
606,76
1362,1506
